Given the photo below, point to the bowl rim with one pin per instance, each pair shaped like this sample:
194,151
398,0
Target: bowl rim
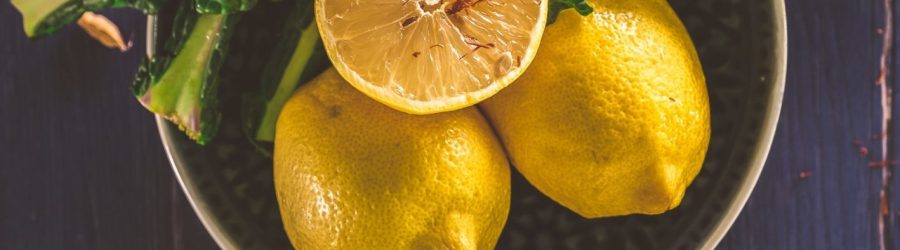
770,122
213,227
736,205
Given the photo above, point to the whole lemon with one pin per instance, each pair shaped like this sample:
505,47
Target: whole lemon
352,173
612,117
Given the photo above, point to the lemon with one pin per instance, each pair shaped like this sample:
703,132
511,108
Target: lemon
351,173
612,118
430,56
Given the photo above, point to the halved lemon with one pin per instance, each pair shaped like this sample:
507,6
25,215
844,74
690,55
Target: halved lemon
430,56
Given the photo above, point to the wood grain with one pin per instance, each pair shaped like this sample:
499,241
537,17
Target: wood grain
81,166
831,100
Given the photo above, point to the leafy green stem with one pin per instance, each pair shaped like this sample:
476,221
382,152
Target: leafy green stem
42,17
180,82
581,6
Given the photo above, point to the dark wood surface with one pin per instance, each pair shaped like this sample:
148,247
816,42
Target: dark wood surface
81,166
81,163
832,110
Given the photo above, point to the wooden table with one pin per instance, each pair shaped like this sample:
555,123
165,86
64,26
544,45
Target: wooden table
81,166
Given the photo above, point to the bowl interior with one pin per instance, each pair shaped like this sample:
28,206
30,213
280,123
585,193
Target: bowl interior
739,43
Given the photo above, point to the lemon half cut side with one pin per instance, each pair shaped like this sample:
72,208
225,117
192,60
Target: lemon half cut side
431,56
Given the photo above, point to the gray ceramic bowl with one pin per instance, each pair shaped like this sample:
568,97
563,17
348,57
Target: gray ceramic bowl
742,46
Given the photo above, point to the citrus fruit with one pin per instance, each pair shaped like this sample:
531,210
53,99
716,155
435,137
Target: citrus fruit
612,118
430,56
351,173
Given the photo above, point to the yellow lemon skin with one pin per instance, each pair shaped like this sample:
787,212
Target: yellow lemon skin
352,173
612,117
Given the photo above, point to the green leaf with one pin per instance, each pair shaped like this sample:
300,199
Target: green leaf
180,82
556,6
223,6
43,17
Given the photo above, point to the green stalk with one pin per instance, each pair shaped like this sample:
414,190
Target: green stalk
289,82
180,82
297,58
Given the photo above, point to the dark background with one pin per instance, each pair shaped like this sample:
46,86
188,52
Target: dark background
82,167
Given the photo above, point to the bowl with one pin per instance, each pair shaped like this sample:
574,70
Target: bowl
742,46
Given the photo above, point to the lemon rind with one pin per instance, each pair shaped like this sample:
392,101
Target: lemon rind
415,107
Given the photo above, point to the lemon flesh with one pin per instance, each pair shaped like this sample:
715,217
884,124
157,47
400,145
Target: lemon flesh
612,118
351,173
430,56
